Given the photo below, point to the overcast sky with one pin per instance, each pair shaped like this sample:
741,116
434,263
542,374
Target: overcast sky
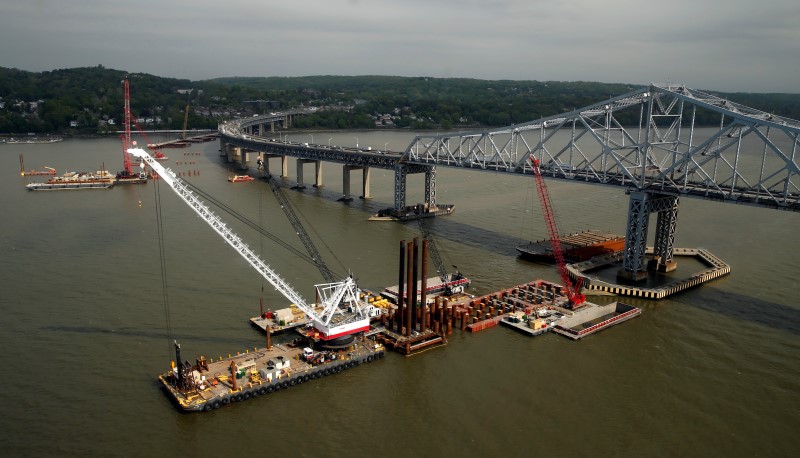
723,45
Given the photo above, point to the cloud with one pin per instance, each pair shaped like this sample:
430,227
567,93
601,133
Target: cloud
715,44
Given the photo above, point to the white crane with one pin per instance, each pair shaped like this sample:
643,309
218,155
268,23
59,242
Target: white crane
342,312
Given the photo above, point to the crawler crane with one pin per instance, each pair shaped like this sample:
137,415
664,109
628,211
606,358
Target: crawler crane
340,313
576,299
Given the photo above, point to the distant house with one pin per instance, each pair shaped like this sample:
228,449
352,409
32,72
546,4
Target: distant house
73,123
184,91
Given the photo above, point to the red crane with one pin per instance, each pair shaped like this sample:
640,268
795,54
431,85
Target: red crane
127,142
576,299
126,138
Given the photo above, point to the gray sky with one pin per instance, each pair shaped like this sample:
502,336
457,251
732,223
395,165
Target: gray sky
723,45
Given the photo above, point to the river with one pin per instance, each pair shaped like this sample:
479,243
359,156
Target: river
712,371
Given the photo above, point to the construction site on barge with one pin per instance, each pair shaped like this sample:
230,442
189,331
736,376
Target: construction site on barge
346,326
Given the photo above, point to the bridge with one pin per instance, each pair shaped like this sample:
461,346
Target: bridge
647,141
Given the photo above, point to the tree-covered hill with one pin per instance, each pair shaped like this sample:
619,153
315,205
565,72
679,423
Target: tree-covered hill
89,100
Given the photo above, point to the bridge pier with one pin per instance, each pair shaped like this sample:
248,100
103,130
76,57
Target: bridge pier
263,163
244,159
346,184
317,174
430,188
400,175
641,205
365,179
300,181
401,172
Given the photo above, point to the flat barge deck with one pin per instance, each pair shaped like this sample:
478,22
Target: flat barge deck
593,319
534,308
209,385
579,246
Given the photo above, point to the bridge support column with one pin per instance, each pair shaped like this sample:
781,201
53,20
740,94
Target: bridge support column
231,153
300,181
400,174
317,174
365,184
641,205
430,189
263,163
284,166
346,184
664,247
244,159
272,126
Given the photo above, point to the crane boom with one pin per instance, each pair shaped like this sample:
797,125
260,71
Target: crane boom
286,206
433,252
126,139
576,299
341,315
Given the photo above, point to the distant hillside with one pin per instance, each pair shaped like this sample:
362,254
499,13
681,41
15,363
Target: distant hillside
89,100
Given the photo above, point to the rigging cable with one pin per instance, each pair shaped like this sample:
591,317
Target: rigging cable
338,261
252,224
162,258
261,247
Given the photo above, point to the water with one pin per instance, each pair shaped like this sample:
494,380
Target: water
710,372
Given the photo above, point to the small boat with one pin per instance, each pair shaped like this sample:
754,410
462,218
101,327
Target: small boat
160,156
240,178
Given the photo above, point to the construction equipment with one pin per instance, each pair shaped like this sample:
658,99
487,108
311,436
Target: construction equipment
452,282
340,313
286,206
185,121
433,252
126,137
576,299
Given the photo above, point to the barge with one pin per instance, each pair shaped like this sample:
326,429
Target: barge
209,385
579,246
532,325
75,180
595,318
413,212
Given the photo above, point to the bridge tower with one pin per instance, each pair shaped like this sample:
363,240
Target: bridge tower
401,171
642,205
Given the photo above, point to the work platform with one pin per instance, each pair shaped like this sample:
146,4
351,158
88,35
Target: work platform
184,142
412,213
578,246
210,384
715,268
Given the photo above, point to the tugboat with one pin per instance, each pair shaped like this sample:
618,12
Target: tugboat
240,178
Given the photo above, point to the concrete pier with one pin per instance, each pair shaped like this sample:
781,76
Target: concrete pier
716,268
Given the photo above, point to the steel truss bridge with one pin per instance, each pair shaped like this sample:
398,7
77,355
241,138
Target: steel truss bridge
647,141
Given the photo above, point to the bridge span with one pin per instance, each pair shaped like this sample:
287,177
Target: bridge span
647,141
